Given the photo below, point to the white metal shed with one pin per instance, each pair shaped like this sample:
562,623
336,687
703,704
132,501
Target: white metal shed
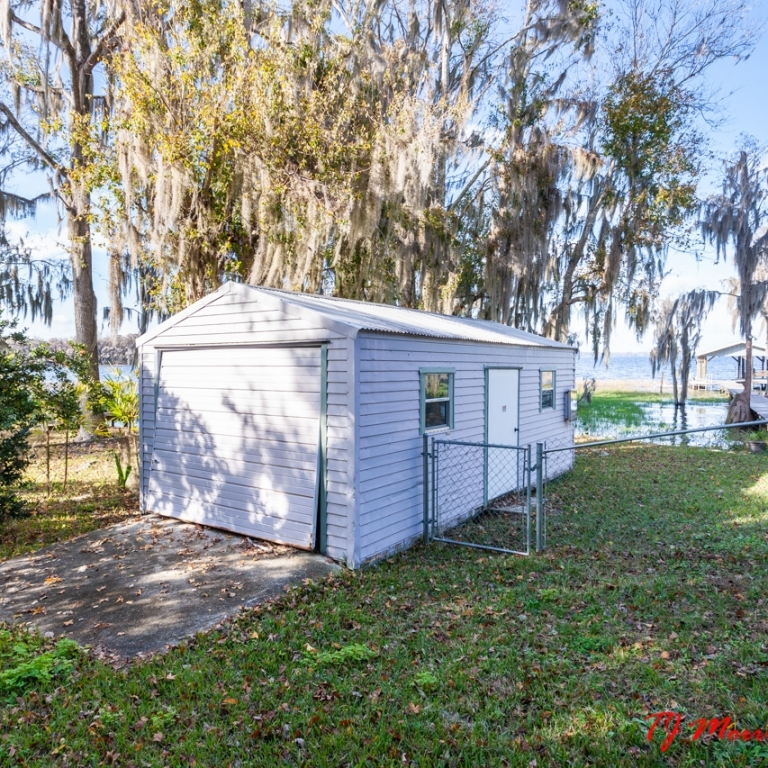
299,418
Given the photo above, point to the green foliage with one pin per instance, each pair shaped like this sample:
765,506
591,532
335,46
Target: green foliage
38,385
18,412
122,474
120,399
346,655
426,680
647,135
24,671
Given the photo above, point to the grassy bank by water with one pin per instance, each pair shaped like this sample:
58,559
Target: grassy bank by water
614,413
652,597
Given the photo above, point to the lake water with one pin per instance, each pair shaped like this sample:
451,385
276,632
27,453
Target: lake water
658,417
664,417
637,366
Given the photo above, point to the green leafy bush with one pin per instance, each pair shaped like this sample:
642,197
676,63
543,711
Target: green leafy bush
37,386
18,409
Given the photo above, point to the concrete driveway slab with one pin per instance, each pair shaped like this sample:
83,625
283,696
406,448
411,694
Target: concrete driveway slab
140,586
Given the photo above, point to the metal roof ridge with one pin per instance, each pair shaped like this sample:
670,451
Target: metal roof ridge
363,308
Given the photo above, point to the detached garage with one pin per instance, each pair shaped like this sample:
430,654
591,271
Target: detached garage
299,418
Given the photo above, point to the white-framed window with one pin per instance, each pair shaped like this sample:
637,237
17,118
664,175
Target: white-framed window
436,399
546,390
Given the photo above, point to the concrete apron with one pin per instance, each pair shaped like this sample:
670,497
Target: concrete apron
137,587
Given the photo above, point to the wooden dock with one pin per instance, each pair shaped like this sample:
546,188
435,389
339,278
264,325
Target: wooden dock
758,403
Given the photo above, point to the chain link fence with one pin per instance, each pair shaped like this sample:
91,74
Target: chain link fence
480,495
498,498
559,458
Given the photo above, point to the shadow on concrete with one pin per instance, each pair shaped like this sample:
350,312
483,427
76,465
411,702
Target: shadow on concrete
139,586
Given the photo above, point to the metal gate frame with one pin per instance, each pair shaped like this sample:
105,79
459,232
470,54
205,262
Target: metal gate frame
431,482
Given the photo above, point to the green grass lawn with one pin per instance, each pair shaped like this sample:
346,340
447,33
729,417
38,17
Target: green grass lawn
653,596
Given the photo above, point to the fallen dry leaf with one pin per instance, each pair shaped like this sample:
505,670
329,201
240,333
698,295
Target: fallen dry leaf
413,709
68,623
157,737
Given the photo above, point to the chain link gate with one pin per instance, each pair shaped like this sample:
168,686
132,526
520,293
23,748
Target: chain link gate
478,495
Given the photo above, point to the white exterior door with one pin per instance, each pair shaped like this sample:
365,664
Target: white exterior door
503,395
237,436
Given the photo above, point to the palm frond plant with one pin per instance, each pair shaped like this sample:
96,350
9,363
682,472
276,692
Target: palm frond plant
121,405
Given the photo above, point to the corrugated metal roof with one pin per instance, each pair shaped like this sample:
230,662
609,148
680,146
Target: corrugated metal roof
386,318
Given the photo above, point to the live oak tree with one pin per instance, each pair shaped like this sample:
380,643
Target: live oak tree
268,145
49,99
239,146
735,221
529,169
531,166
643,196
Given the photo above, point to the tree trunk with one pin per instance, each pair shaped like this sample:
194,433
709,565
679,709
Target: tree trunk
66,457
741,408
675,394
81,255
685,367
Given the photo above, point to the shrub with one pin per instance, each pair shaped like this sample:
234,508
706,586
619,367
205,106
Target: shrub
17,415
37,385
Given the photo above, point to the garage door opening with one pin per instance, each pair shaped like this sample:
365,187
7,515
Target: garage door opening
240,441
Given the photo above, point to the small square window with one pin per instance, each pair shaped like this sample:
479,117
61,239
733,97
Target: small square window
547,389
436,400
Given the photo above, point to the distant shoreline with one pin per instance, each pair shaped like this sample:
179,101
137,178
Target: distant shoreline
633,385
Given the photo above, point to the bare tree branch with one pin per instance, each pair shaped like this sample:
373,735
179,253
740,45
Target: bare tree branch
29,139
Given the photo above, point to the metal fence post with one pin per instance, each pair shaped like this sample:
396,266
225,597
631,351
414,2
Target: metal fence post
539,495
434,510
425,454
527,471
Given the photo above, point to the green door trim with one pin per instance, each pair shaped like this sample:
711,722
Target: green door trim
321,539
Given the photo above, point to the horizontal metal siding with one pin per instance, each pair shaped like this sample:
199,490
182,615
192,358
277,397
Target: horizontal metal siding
390,464
340,445
146,417
230,319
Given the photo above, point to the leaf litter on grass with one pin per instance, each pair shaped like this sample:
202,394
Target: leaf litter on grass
651,597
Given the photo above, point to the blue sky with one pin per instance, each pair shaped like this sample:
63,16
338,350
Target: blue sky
745,109
743,88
